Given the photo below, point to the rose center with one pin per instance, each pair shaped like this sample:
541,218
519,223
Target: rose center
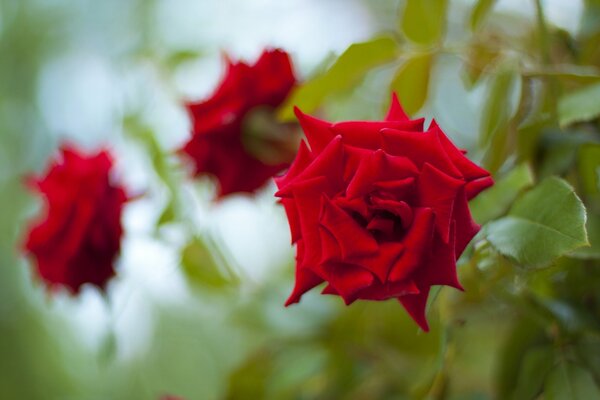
386,218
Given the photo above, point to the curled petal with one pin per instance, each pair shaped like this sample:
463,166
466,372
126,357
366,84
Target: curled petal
420,148
317,132
352,239
396,112
305,281
417,243
415,305
438,191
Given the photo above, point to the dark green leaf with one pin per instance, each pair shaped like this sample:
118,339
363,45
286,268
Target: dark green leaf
349,68
570,381
589,167
535,366
423,21
543,224
411,82
495,201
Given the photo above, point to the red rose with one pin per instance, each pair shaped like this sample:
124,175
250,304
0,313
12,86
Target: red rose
379,210
217,146
78,238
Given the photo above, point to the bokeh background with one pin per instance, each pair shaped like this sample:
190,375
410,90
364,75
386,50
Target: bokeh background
196,309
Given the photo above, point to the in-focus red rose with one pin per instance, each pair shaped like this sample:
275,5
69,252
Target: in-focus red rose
218,146
379,210
78,238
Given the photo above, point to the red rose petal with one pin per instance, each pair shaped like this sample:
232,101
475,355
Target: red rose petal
437,191
347,279
420,148
396,112
352,239
317,132
416,243
415,305
466,227
305,281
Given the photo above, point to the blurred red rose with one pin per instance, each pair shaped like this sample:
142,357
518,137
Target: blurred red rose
78,238
379,210
223,144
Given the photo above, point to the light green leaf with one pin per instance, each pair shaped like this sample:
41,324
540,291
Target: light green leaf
499,105
502,102
566,72
593,229
423,21
543,224
411,82
349,68
201,266
480,11
181,57
570,381
581,105
494,202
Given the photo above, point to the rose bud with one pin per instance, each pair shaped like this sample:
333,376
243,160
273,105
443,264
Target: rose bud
235,137
77,238
379,210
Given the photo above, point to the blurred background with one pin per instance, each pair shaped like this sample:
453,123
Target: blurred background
196,309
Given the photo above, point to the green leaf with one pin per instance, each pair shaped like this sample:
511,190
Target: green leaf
593,229
570,381
543,224
502,101
349,68
178,58
201,266
494,202
423,21
535,366
581,105
411,82
566,72
480,11
499,107
589,167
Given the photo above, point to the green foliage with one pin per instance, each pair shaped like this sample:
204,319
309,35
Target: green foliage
411,82
424,21
570,381
580,105
347,71
496,128
495,201
534,369
518,331
480,12
589,167
202,265
543,224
